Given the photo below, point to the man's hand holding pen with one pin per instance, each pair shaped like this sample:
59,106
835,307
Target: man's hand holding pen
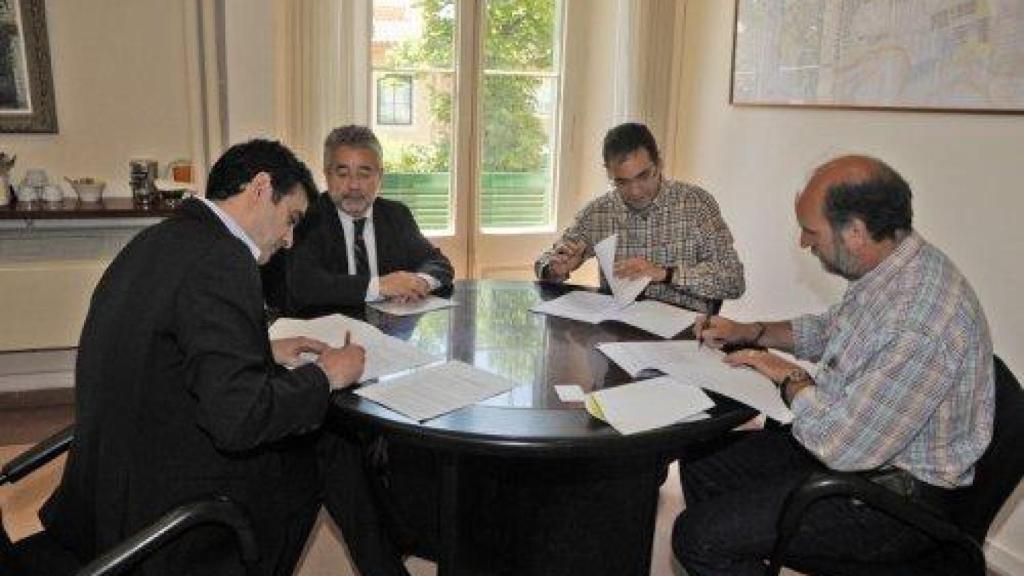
718,331
344,365
567,257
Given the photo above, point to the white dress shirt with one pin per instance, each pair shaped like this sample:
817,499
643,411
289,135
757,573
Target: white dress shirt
370,241
233,227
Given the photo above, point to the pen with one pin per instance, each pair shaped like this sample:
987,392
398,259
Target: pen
714,308
703,326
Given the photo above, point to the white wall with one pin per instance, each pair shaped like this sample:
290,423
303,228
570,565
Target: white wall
963,168
120,80
120,83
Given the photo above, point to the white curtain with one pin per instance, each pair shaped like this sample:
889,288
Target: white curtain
648,64
203,40
324,65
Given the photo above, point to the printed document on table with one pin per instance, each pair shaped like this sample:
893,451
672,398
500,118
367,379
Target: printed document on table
420,306
648,404
691,364
652,316
436,390
706,369
624,290
635,357
581,305
655,317
384,354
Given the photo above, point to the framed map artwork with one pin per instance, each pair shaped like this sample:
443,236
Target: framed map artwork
942,55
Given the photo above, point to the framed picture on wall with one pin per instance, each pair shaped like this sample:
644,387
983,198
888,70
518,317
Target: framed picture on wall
26,82
937,55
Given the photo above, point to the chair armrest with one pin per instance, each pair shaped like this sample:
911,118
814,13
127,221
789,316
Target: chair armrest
36,456
819,486
219,511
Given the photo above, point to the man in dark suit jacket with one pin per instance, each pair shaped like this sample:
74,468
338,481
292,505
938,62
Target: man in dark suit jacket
179,393
356,247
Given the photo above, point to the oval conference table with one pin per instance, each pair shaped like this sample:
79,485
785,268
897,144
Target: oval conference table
577,496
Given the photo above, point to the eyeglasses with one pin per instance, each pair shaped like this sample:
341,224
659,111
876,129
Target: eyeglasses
641,178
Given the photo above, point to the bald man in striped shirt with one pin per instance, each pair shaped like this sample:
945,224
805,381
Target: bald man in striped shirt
903,388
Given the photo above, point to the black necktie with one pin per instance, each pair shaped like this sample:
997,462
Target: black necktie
359,249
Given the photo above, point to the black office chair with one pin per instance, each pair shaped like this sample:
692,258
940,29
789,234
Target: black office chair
41,554
958,542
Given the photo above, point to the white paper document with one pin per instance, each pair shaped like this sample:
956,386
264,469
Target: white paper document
384,354
409,308
436,390
703,367
569,393
623,290
652,316
635,357
648,404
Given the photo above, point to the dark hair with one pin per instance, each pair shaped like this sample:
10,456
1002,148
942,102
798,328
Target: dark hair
242,162
882,202
353,136
627,138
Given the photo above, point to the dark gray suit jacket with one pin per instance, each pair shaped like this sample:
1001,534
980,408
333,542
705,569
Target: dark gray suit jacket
177,397
317,267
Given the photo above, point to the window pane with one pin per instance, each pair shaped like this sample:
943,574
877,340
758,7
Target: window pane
394,99
519,101
414,39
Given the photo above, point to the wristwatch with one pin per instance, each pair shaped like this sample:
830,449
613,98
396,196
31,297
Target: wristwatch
794,375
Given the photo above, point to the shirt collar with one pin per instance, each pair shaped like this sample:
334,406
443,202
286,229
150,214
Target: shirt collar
878,277
233,227
347,219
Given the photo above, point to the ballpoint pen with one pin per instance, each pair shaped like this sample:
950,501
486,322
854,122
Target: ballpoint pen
703,327
713,309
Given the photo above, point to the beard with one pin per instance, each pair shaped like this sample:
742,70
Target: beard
844,263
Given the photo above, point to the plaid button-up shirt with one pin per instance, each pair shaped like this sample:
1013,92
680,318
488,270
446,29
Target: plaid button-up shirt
682,228
905,374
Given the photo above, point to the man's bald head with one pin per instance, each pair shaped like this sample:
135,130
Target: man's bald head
864,188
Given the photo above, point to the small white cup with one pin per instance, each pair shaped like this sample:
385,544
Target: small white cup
36,177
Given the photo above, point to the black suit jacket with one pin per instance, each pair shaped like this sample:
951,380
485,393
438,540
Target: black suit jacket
317,268
178,397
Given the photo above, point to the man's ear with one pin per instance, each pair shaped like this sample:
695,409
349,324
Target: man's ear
259,186
856,234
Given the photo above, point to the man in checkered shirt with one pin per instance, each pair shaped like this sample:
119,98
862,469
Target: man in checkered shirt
669,231
904,389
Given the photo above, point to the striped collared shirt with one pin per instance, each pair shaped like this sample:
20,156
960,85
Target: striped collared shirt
682,228
905,374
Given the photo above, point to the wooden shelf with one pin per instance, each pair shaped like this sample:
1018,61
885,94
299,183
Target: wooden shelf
74,210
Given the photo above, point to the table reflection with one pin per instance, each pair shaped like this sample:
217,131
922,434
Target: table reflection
492,328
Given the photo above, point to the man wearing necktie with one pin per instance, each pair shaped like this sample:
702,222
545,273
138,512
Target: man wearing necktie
356,247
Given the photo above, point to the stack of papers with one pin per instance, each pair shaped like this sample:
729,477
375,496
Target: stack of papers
384,354
687,362
648,404
409,308
437,390
650,315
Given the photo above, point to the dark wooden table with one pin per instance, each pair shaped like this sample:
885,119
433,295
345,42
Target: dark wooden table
547,451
